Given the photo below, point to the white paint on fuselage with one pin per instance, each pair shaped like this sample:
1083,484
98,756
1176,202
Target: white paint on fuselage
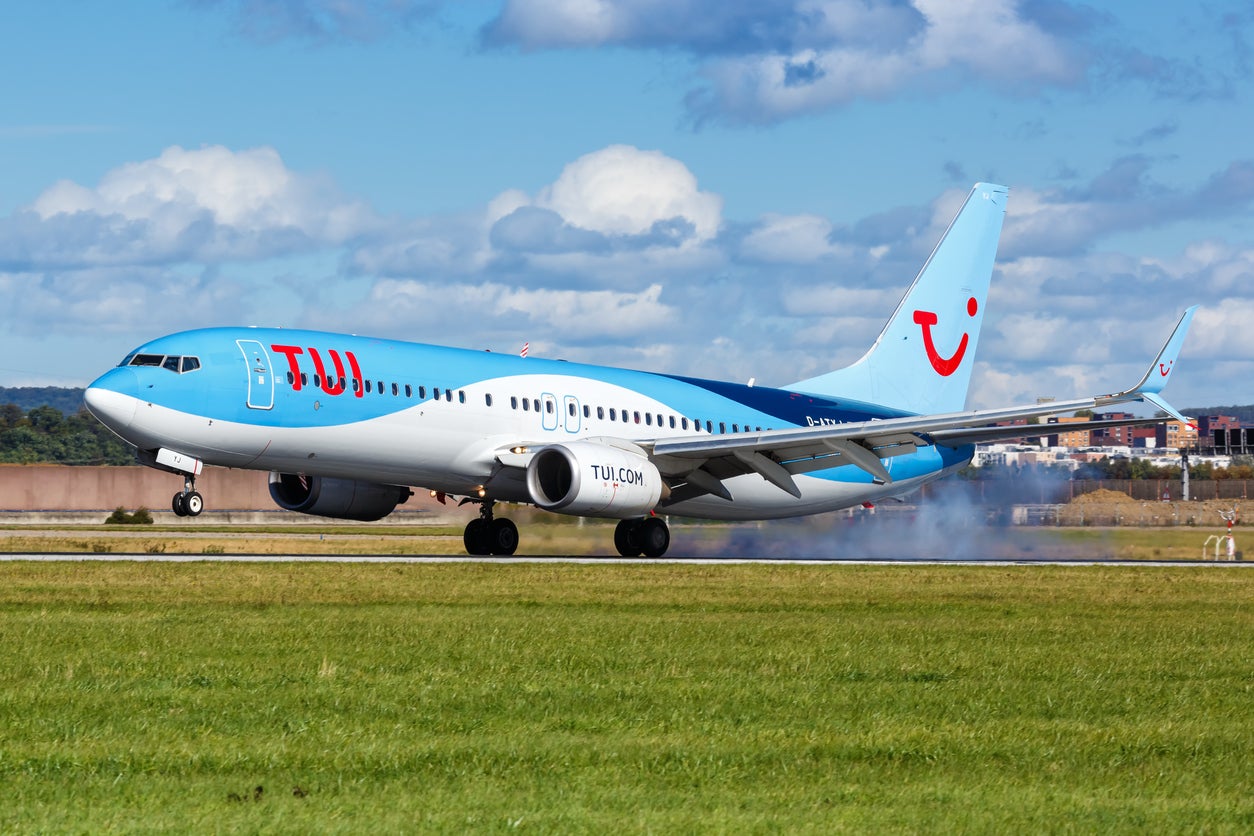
441,445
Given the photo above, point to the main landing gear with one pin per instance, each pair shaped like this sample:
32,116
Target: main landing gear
649,537
188,502
486,535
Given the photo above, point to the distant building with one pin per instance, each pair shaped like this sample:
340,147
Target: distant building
1224,434
1074,438
1175,435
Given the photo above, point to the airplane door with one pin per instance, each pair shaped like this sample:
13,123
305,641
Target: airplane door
570,413
260,378
548,418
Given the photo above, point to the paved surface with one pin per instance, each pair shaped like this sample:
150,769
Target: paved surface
302,558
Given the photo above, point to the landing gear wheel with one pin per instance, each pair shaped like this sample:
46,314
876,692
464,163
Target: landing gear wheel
179,505
627,538
194,503
654,537
503,535
477,537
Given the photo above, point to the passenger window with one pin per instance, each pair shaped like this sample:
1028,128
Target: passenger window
587,411
487,399
672,422
722,428
536,404
648,419
683,423
448,395
317,380
356,384
613,414
304,379
636,415
526,405
570,409
291,379
435,393
548,407
735,428
600,413
368,386
380,390
461,395
396,390
513,402
409,391
422,392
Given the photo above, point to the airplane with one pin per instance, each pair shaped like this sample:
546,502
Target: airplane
349,426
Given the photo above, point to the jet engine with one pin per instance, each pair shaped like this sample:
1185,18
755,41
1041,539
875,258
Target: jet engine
342,499
588,479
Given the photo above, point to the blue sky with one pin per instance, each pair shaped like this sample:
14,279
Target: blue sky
735,189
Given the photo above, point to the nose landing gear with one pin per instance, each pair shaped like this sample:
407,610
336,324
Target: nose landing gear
188,502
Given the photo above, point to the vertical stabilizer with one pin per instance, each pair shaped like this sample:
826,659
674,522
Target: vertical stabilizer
922,360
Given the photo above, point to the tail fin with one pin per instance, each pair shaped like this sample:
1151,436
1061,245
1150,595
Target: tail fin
922,360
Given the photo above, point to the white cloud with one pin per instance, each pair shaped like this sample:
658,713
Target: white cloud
544,316
985,39
208,204
621,190
791,239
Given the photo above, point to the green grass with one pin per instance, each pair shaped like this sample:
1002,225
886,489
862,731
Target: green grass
640,698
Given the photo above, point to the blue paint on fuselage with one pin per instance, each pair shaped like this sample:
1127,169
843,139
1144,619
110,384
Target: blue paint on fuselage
217,390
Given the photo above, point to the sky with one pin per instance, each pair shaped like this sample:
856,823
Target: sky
737,189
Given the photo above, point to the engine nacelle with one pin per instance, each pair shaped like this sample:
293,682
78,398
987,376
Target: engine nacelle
342,499
588,479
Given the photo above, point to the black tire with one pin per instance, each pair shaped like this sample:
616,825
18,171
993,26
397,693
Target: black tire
476,537
194,503
627,538
504,537
179,505
654,537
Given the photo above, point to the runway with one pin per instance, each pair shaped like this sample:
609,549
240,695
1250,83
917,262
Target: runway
112,557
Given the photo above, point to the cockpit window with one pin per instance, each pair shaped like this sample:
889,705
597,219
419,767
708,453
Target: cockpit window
173,362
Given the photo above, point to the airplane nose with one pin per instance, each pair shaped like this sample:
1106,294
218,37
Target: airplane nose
112,398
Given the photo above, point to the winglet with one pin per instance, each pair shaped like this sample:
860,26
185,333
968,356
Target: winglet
1156,378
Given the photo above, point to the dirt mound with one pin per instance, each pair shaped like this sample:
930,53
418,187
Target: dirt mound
1104,497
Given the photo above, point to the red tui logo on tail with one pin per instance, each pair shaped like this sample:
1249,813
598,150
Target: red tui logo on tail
945,366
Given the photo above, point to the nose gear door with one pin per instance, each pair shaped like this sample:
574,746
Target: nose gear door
260,377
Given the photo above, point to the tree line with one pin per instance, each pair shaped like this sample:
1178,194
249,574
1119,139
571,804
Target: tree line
45,435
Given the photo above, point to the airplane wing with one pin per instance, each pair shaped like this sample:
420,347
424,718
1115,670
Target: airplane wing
779,455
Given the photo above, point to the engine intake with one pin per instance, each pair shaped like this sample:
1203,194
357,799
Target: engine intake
588,479
341,499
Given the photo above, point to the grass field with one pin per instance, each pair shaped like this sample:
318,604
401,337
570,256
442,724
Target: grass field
562,698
